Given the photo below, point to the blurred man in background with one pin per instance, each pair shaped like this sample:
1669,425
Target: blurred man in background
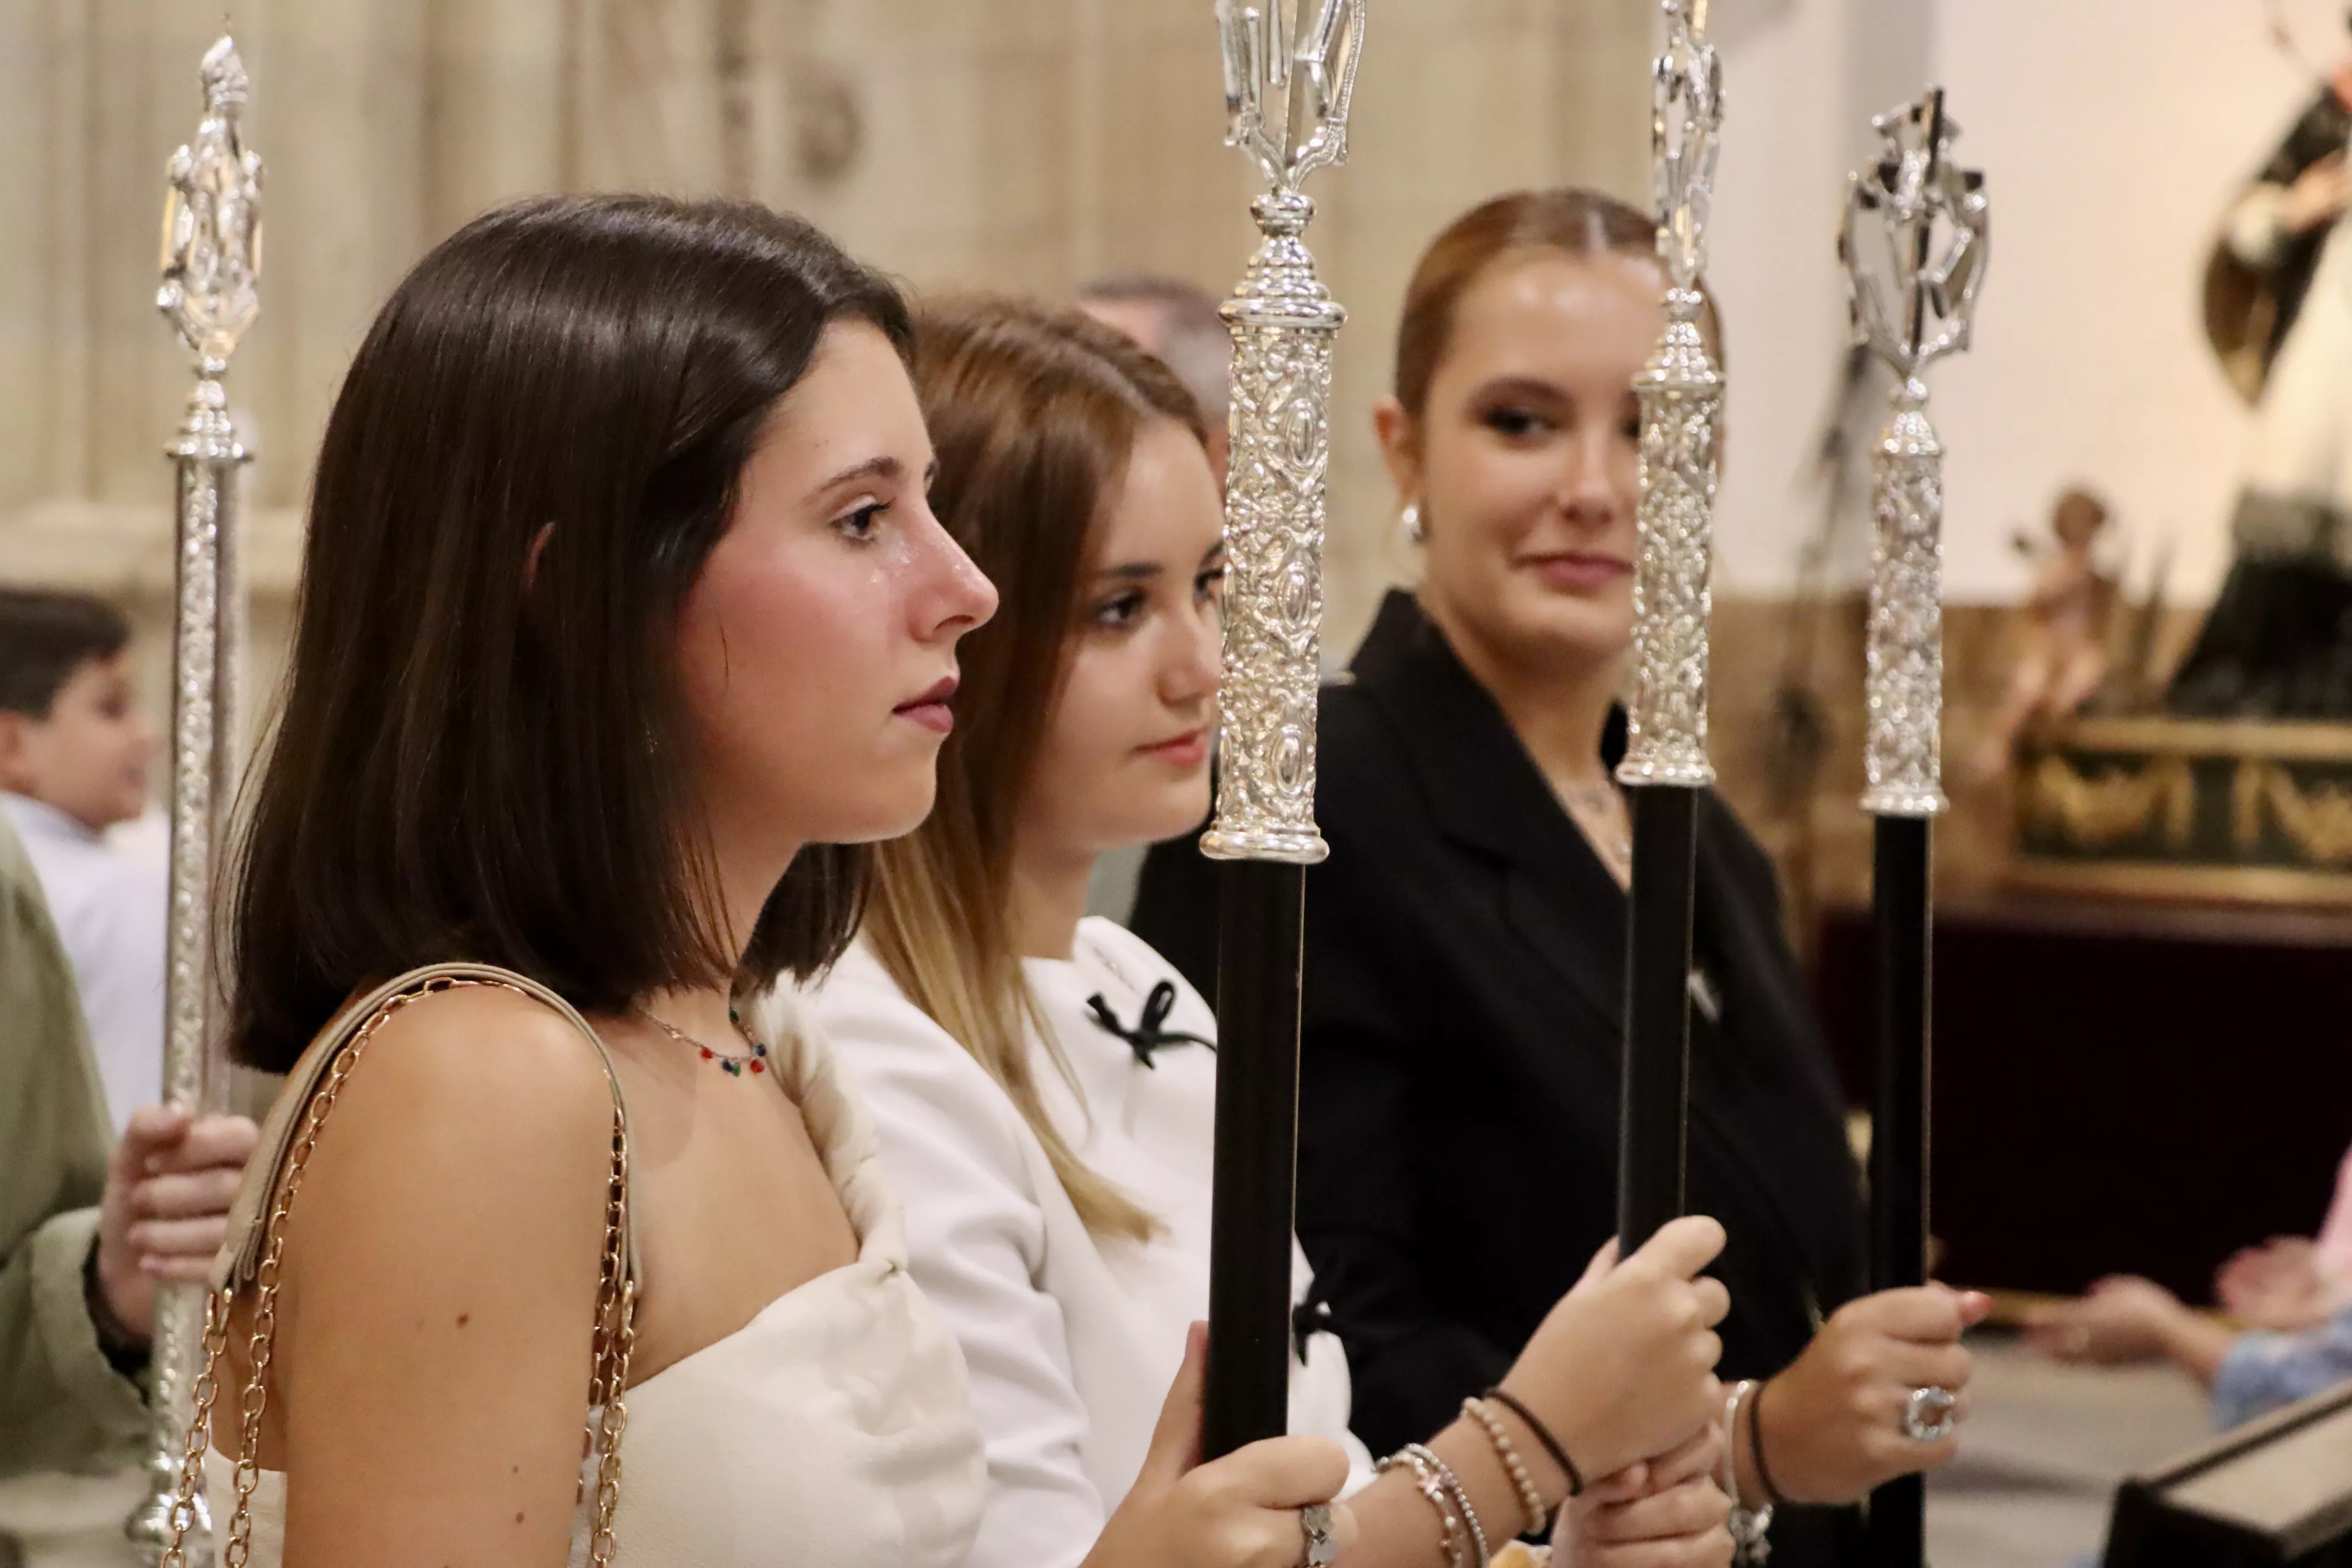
1177,323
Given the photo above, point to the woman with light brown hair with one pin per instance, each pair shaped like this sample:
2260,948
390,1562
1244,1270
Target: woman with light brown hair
1465,940
1044,1082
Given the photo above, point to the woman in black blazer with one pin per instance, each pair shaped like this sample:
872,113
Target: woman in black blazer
1465,940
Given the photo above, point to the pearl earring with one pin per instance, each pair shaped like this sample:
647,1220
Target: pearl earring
1409,524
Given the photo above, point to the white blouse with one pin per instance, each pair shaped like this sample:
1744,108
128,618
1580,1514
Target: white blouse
1071,1341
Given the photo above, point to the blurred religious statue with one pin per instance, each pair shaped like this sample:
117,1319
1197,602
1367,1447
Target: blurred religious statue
2061,655
2278,308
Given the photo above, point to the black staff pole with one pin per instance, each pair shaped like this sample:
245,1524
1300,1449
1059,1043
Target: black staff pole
1900,906
1260,906
1913,285
1653,1116
1666,765
1291,116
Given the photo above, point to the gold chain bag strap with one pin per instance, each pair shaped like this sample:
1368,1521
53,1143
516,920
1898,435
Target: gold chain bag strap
255,1255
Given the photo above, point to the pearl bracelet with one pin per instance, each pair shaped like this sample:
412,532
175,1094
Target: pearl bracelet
1530,1501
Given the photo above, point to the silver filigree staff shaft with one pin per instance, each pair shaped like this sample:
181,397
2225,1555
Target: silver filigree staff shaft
1915,242
1290,68
1681,394
211,259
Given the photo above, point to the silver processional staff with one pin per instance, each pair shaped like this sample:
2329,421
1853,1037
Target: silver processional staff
1913,243
1666,765
211,259
1290,67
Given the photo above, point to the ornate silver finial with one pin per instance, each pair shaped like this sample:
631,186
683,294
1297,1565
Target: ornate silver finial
1681,392
212,221
1913,286
1915,242
1288,79
1686,124
1289,75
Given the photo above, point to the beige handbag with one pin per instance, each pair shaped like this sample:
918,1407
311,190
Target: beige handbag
255,1252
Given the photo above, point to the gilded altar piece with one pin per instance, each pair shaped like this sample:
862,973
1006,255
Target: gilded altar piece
2164,807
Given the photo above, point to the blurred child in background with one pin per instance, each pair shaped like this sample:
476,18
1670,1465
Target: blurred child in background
75,747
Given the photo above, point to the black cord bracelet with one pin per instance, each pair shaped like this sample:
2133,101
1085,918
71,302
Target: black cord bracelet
126,1351
1543,1435
1756,1445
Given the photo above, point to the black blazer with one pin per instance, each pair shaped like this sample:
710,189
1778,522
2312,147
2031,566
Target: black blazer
1464,994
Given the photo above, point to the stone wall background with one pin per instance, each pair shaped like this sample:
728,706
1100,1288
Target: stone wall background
1022,144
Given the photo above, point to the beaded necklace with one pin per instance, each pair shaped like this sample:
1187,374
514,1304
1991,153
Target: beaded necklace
731,1063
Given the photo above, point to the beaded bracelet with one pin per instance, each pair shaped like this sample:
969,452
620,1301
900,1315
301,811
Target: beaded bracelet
1451,1538
1543,1435
1530,1501
1453,1485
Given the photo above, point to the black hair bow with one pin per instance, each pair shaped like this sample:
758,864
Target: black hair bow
1310,1318
1149,1034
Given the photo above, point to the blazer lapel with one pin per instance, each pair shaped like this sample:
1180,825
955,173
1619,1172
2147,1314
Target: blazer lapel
1487,795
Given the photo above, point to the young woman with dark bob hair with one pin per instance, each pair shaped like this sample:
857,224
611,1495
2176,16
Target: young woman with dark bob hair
1042,1083
621,597
1465,940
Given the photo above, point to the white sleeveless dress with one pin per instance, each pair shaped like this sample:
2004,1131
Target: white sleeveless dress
833,1430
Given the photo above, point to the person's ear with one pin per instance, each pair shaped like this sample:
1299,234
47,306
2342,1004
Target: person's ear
14,738
1399,441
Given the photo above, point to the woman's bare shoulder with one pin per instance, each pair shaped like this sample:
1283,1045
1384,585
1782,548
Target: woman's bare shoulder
480,1053
472,1040
442,1273
477,1111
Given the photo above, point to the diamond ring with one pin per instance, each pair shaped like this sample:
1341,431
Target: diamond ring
1322,1548
1927,1415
